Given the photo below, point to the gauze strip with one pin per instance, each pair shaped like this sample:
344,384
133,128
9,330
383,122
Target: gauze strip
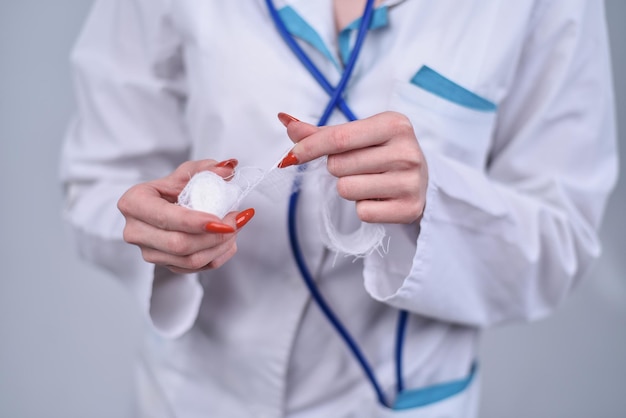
208,192
368,237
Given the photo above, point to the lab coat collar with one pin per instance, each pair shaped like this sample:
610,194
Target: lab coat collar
326,3
320,12
319,16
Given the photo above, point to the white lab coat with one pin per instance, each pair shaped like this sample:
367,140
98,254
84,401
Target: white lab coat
514,199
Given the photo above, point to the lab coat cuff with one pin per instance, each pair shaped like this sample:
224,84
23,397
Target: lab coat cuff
392,277
175,302
169,301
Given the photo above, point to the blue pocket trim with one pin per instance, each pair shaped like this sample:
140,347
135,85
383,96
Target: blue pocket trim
433,82
416,398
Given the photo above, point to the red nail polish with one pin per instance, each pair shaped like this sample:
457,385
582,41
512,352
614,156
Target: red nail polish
286,119
232,163
219,228
289,160
244,217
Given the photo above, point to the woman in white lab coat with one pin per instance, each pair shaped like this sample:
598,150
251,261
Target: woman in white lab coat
486,149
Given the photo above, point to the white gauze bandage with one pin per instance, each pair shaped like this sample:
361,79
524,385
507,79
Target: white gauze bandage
362,241
208,192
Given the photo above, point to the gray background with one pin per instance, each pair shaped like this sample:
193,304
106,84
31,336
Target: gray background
68,333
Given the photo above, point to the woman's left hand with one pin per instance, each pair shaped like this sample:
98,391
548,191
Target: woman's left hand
378,162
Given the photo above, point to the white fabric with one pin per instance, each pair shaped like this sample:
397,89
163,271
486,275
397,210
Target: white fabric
360,242
209,192
513,203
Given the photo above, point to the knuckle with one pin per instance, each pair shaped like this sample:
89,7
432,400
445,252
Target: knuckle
416,156
400,124
414,210
344,187
341,139
221,260
196,261
178,244
409,210
123,204
406,163
187,223
410,157
220,239
160,220
186,167
132,232
149,256
365,212
333,165
128,235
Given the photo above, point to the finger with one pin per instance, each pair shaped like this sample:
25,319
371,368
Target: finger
188,169
397,211
223,258
170,186
390,185
241,219
151,202
296,129
171,242
144,202
364,161
404,210
376,159
338,139
198,261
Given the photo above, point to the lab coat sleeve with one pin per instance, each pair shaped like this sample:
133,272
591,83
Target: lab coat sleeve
509,242
128,129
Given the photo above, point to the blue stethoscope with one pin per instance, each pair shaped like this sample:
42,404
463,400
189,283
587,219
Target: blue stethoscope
336,101
405,399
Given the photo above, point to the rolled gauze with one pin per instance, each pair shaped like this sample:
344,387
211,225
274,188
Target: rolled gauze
209,192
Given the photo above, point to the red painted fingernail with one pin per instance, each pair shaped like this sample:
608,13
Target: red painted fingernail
286,119
244,217
289,160
219,228
232,163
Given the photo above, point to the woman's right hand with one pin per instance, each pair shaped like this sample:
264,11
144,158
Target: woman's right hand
181,239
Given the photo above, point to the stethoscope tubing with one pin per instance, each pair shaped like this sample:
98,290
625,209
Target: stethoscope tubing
308,64
336,101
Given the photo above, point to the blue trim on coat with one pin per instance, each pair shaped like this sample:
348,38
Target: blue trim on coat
299,27
433,82
379,19
416,398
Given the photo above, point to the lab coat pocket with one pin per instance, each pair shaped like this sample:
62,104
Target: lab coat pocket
461,405
446,117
